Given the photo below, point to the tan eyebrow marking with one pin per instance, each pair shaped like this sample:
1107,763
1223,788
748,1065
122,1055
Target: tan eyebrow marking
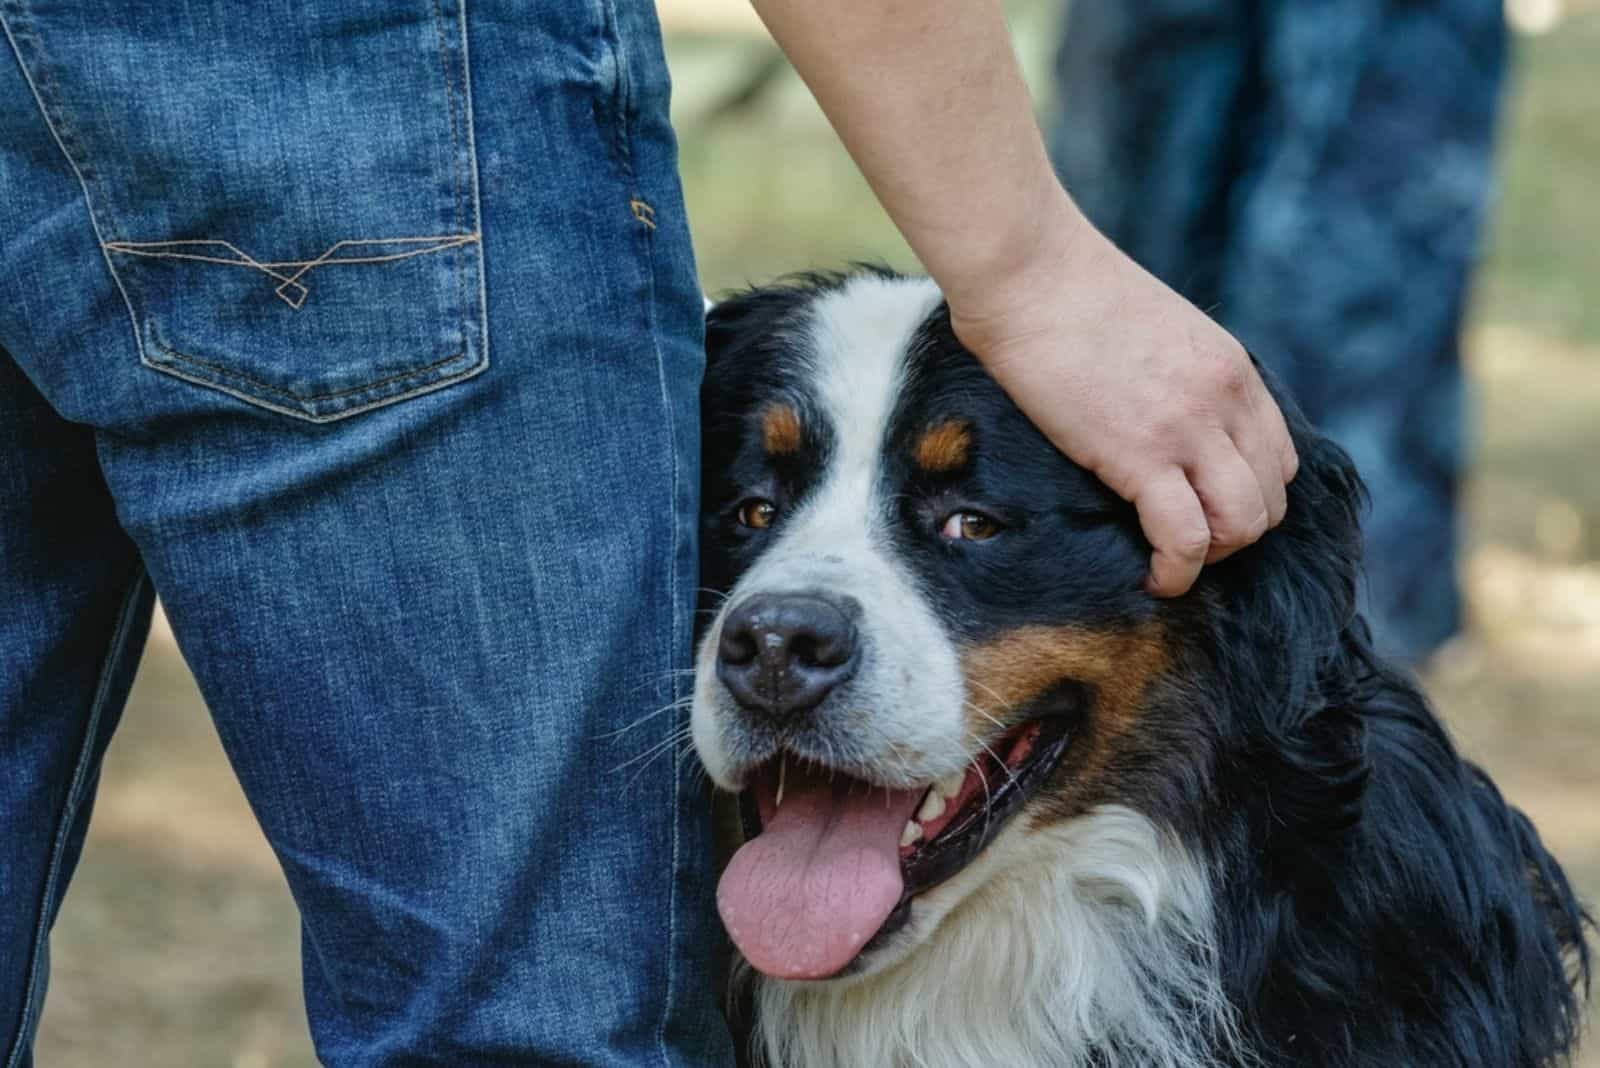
780,430
944,447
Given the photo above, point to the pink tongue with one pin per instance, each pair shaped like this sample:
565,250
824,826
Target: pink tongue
802,897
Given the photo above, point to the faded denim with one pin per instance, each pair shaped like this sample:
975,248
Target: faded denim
366,334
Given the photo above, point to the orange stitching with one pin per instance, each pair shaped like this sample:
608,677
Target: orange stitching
291,290
643,212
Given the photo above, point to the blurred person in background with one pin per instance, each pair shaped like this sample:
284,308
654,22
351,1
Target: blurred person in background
1316,176
440,605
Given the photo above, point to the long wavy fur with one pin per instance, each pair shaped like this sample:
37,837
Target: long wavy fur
1367,899
1379,903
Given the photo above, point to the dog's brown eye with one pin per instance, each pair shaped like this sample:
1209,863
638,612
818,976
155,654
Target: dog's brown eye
757,513
969,526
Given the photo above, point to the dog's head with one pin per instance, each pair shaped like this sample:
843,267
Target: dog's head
929,636
967,740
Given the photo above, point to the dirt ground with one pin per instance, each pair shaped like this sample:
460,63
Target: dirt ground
178,944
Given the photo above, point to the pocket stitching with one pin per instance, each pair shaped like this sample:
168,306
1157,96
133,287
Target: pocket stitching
160,250
56,121
256,401
228,372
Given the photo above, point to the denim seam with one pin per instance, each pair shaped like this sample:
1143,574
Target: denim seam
455,148
643,212
161,250
482,317
450,113
272,268
71,805
291,394
615,127
331,417
55,125
647,235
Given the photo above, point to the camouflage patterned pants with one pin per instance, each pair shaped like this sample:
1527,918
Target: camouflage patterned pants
1316,175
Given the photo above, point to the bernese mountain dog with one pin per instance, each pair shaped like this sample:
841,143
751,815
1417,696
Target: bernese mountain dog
1004,809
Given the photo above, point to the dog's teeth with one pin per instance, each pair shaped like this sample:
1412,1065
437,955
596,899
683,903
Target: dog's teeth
950,785
932,807
911,834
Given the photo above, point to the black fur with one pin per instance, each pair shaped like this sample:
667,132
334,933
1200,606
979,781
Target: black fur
1380,904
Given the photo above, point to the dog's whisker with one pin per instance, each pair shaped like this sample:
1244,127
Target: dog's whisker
649,755
680,703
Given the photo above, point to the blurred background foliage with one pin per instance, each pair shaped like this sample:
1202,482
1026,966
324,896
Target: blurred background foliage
178,944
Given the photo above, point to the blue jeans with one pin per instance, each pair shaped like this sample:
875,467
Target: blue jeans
1317,175
379,365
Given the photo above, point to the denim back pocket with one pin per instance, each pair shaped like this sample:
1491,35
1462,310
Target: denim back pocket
285,193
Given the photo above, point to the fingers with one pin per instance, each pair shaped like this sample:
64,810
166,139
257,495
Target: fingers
1174,523
1263,440
1288,458
1234,501
1221,504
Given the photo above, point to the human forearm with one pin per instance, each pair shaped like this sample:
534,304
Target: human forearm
1124,375
928,98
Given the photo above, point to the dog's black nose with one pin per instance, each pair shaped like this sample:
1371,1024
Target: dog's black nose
783,653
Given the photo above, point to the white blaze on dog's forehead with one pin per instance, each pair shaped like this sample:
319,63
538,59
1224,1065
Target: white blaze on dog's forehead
860,335
908,688
906,696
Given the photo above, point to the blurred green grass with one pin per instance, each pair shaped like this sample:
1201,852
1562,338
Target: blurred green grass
178,944
1543,267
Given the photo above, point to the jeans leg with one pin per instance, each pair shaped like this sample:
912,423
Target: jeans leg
1317,176
1349,265
423,521
76,611
1148,130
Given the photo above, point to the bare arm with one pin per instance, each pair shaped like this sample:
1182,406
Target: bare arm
1124,375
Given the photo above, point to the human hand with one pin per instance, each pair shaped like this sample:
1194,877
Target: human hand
1140,387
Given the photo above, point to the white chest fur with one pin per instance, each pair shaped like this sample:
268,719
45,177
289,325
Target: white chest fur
1088,937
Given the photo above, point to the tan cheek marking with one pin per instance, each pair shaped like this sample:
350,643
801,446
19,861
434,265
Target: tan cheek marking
780,430
944,447
1017,667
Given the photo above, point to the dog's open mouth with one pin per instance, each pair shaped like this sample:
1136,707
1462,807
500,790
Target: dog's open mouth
833,862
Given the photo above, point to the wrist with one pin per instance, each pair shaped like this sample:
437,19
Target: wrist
1033,254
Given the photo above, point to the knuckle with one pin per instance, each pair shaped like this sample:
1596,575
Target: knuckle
1228,538
1225,371
1192,542
1240,532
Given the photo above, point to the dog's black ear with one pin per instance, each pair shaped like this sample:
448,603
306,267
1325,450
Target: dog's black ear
1294,591
1326,499
1293,653
748,321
